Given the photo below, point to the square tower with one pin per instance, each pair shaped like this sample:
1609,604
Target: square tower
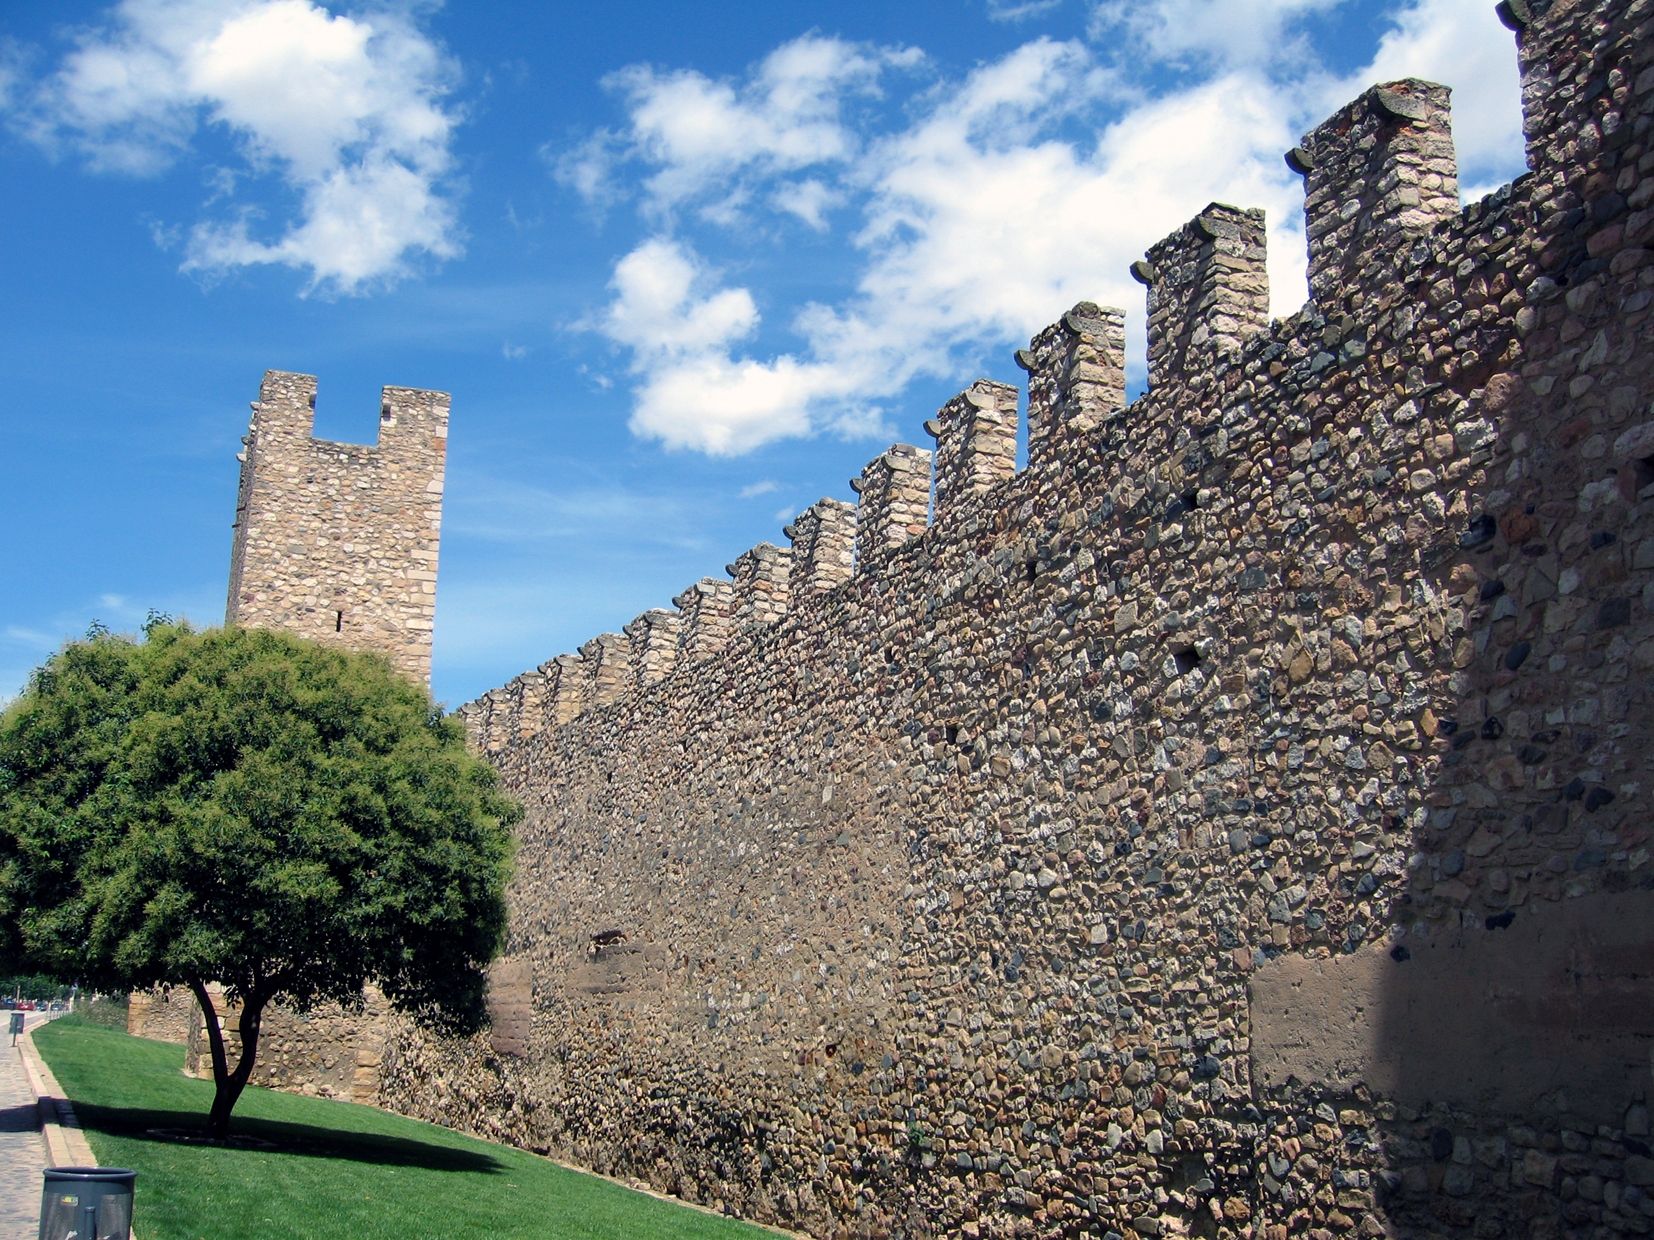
337,541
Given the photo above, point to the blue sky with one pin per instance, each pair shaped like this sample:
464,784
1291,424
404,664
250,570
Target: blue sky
684,268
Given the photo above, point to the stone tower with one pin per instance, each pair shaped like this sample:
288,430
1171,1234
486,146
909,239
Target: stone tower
337,541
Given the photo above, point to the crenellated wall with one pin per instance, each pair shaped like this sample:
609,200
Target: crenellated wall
1235,823
338,542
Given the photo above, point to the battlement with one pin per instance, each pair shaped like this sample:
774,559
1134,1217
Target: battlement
606,661
1248,798
976,442
655,639
707,608
895,503
761,578
339,542
1377,173
1208,294
1076,381
823,539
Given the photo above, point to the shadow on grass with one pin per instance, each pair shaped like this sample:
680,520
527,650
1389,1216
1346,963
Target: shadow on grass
306,1140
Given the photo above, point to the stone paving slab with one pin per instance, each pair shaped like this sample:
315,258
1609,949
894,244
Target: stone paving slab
22,1154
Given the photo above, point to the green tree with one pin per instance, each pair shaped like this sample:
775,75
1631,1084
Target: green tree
288,820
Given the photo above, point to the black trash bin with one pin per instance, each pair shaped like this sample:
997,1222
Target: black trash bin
87,1203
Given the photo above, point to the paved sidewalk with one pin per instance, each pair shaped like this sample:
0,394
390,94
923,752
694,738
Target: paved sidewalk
22,1154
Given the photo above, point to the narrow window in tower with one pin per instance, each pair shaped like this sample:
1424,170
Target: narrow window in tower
338,622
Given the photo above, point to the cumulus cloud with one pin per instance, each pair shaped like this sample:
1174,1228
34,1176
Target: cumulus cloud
345,111
994,201
691,391
789,114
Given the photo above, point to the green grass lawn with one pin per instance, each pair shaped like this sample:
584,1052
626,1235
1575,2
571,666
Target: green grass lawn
340,1170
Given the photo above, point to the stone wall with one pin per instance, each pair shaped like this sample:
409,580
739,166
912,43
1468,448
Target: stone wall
331,1052
335,541
338,543
163,1014
1233,824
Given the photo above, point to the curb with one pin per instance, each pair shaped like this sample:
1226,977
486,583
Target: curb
66,1144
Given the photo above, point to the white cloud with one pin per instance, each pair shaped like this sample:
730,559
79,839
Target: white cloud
1463,46
697,131
656,309
1227,32
998,200
691,392
766,487
12,70
345,111
1011,11
809,200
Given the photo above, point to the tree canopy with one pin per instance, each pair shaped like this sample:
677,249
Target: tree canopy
286,819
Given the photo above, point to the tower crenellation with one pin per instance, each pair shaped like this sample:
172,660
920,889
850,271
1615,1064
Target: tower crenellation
976,441
339,542
894,488
761,592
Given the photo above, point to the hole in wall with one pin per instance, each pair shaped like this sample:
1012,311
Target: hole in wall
1642,474
1033,570
338,622
1180,506
952,730
1186,658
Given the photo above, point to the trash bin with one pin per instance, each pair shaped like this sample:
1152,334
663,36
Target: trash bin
87,1203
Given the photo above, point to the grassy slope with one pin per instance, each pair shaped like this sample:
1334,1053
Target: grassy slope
341,1170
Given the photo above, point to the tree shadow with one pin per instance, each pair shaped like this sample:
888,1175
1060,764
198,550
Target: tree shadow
305,1140
24,1117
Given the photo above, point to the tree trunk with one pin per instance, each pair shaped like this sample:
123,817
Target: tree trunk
228,1084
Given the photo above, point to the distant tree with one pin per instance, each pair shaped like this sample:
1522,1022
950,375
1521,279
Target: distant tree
245,807
35,986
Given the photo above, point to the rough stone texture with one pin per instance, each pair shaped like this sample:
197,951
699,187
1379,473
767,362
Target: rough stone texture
1208,293
761,584
895,503
824,546
163,1014
332,1052
976,440
654,637
336,541
977,897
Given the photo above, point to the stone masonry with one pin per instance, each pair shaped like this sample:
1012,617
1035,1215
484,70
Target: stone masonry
336,541
1232,824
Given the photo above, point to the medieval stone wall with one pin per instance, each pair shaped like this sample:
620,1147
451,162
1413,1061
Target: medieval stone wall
338,542
163,1014
1233,824
331,1052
